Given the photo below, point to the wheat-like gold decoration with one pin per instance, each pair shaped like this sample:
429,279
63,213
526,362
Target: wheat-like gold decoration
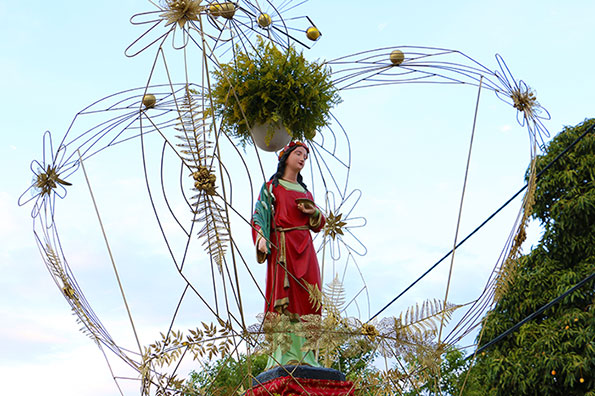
88,325
181,11
55,266
194,147
334,225
506,273
49,180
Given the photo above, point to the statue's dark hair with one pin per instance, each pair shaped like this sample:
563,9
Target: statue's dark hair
281,169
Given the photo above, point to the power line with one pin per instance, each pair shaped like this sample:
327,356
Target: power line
486,220
533,315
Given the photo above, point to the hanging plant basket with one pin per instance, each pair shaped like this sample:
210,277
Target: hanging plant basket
272,87
270,137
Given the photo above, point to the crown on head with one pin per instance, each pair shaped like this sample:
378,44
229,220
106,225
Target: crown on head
290,145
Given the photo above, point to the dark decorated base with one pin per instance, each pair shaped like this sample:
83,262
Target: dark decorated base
301,380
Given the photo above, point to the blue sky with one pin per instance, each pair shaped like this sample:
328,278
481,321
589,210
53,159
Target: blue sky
409,146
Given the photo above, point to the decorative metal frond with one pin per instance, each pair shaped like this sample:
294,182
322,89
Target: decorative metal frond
424,319
208,342
195,130
214,233
195,148
334,296
331,299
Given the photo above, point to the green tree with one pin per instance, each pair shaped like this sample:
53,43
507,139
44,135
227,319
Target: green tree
453,376
227,376
554,354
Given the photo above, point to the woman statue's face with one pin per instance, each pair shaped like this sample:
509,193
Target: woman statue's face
297,159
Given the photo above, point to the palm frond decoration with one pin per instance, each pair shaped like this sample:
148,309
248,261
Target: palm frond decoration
413,332
214,232
194,128
195,149
331,299
425,318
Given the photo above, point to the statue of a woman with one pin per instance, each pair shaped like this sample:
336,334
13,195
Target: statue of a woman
284,216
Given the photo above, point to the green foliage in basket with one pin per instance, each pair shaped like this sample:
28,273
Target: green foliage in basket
271,86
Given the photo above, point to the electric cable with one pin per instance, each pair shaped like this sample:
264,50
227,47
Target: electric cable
485,221
533,315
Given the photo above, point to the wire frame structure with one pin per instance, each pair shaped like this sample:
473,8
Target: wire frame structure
201,187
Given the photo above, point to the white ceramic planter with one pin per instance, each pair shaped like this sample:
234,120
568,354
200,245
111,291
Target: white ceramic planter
279,140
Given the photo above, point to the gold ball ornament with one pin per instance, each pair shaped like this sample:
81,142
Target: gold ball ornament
553,372
226,10
581,380
313,33
397,57
149,101
264,20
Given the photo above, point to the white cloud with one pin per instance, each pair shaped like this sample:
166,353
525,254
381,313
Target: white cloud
78,370
505,128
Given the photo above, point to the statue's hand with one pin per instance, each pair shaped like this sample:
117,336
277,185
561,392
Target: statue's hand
307,209
262,246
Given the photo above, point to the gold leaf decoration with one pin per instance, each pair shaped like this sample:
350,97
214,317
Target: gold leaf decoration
209,342
277,329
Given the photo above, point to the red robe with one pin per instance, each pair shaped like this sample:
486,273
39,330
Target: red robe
286,289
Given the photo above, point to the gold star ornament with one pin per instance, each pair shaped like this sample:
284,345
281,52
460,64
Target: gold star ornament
334,225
